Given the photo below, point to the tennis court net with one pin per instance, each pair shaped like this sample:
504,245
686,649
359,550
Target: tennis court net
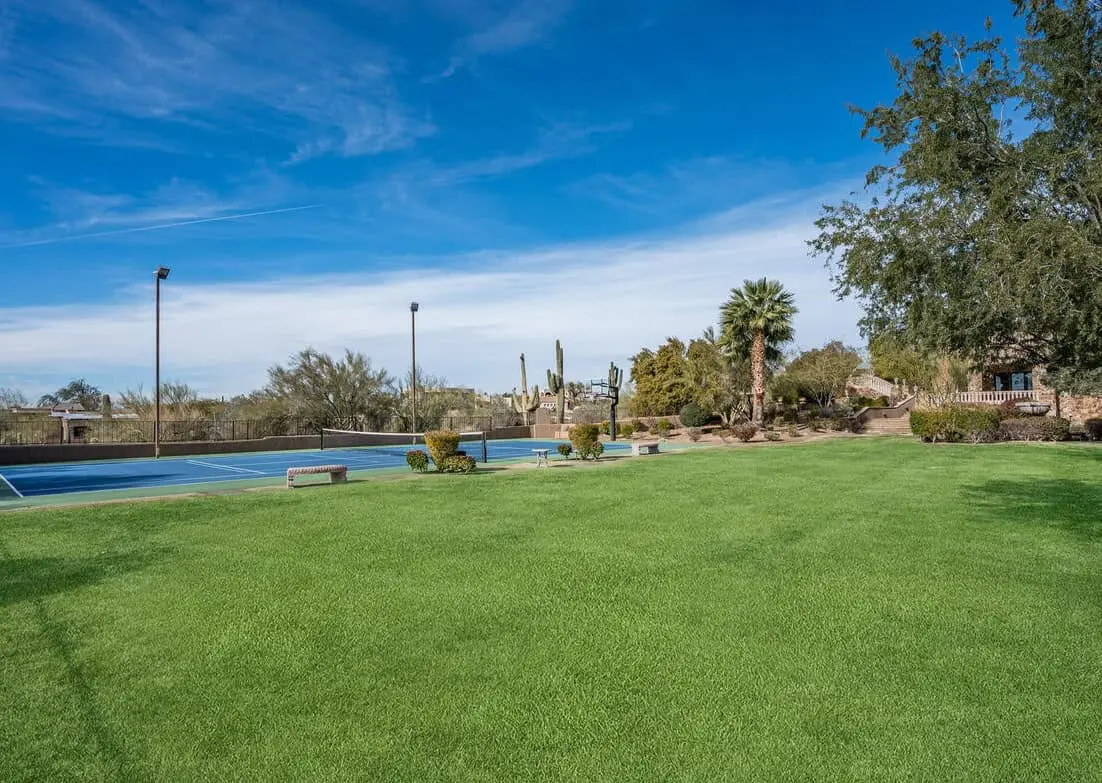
473,444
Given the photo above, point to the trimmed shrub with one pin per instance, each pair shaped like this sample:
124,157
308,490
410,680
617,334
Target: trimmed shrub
597,450
1034,428
604,428
1093,428
565,450
641,426
815,424
417,460
793,431
625,430
954,423
692,415
663,427
585,438
1008,410
694,434
441,444
772,435
744,432
456,464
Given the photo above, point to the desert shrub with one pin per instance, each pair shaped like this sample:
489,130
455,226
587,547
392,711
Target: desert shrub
625,430
772,435
1034,428
585,438
417,460
565,450
441,444
456,464
1093,428
694,434
663,427
869,402
692,415
641,426
1008,410
816,424
840,423
604,428
744,432
953,423
597,450
793,431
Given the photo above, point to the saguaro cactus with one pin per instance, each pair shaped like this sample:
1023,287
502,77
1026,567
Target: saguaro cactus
615,378
556,386
525,404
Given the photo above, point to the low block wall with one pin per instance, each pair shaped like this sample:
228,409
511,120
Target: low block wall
77,452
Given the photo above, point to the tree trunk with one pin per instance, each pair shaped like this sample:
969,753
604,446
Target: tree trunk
757,371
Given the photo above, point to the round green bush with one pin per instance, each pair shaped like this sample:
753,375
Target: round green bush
692,415
663,427
565,449
641,426
625,430
417,460
441,444
456,464
744,432
585,438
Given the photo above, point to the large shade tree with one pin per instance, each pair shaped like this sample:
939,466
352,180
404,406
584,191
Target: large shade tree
328,391
980,237
755,322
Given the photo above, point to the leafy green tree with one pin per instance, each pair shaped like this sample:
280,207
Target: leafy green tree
1080,382
894,360
976,238
78,391
755,322
325,391
661,379
720,383
820,374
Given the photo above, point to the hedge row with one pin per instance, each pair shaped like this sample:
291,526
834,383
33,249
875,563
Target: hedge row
979,424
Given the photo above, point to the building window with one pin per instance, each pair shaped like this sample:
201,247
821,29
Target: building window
1014,381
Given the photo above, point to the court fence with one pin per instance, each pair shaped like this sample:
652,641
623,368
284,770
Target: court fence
47,430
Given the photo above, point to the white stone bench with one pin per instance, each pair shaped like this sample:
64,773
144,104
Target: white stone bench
644,447
337,473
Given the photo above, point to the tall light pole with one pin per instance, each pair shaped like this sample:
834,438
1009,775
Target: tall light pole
413,307
158,276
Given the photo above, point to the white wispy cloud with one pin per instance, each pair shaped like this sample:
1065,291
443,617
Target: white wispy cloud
521,25
279,70
603,300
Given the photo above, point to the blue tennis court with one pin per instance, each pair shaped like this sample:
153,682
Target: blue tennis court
26,481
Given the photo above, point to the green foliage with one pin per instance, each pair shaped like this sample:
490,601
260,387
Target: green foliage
953,423
756,321
597,450
640,426
661,379
869,402
745,431
662,427
604,428
976,234
625,430
772,435
441,445
817,424
821,374
417,460
692,415
325,391
565,450
77,391
895,360
457,463
793,431
585,438
1045,428
1093,428
694,434
1083,382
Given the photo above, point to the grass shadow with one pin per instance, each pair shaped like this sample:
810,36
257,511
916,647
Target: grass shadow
1069,504
25,578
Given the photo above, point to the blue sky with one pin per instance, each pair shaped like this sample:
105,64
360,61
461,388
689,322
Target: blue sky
599,172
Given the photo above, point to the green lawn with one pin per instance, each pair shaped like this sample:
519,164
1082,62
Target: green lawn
849,610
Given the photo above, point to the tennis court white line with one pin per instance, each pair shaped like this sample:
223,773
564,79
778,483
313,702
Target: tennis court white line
225,467
11,486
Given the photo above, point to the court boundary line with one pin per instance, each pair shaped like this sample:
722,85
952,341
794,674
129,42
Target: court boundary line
11,486
225,467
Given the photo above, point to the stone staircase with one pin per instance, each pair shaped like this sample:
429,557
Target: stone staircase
888,421
888,427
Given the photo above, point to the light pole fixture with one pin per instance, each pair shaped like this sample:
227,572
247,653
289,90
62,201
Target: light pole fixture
413,308
160,274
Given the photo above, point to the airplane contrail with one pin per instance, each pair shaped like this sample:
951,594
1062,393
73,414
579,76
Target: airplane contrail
160,227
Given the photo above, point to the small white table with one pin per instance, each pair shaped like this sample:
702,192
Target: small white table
541,457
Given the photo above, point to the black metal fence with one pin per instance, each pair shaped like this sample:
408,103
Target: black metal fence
36,430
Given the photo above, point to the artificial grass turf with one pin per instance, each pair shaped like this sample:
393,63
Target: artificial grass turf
847,610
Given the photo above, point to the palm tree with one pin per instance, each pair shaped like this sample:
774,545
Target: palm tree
756,321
